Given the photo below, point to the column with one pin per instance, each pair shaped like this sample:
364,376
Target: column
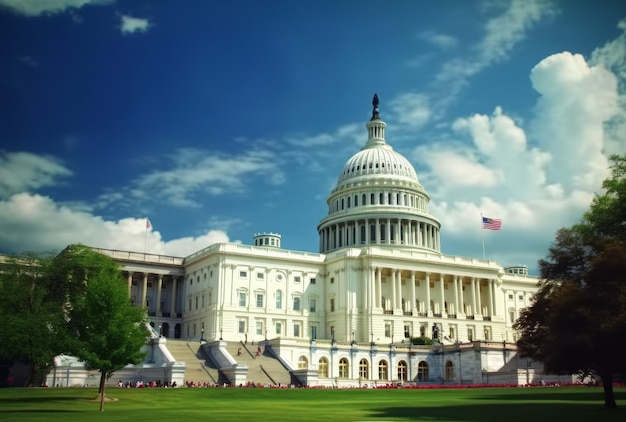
159,311
473,296
429,312
173,297
144,290
388,231
479,303
461,309
413,309
377,231
456,294
491,295
130,283
442,303
399,289
358,232
379,291
394,304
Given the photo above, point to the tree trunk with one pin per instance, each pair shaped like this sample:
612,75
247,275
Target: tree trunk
609,396
103,378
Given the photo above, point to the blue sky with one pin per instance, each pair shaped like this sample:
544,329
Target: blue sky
219,120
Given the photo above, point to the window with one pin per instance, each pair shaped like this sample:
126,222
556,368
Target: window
242,299
422,371
364,369
243,274
402,370
296,303
487,331
312,305
303,363
449,371
407,331
296,279
511,297
332,305
242,326
512,314
344,368
332,280
296,329
312,281
470,334
313,332
322,366
279,299
259,328
387,329
196,302
521,297
259,300
260,276
383,370
279,328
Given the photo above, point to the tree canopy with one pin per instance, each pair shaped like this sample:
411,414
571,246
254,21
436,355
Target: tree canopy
577,322
75,303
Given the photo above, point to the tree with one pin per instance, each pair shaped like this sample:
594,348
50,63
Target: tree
31,303
109,331
577,322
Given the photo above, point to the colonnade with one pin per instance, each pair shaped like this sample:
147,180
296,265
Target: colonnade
142,290
427,296
379,231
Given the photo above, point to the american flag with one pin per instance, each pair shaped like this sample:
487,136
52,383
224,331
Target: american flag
492,223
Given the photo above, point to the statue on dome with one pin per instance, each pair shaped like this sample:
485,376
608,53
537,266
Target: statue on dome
375,103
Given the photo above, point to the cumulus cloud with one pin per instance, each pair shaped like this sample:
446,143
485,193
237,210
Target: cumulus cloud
35,222
23,171
130,25
411,110
40,7
537,176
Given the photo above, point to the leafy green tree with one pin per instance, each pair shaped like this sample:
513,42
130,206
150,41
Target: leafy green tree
109,331
31,308
577,322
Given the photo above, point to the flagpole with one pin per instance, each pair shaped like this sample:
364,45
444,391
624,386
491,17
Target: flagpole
145,239
482,234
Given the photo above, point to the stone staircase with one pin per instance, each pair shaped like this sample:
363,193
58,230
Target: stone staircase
199,367
263,368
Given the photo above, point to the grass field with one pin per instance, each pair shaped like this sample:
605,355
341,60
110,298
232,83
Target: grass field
533,404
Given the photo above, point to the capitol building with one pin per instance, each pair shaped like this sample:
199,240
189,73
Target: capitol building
343,316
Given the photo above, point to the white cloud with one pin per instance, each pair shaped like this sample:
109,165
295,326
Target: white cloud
34,222
22,171
130,25
411,110
442,41
195,172
502,34
544,173
40,7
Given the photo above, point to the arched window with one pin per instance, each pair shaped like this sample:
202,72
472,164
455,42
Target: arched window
323,368
402,370
381,200
363,199
449,371
364,369
344,368
356,200
422,371
383,370
303,363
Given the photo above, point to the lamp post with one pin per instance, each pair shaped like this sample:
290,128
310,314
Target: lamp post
160,331
221,338
202,333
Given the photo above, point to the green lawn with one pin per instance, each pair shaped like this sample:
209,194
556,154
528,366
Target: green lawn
234,404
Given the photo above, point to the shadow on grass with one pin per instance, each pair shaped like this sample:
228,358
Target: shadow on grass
510,412
549,394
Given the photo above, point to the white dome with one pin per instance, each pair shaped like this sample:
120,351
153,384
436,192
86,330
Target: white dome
378,159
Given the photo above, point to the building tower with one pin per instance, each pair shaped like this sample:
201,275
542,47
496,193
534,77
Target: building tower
378,200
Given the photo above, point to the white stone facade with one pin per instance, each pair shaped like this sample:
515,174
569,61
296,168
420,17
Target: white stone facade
345,315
